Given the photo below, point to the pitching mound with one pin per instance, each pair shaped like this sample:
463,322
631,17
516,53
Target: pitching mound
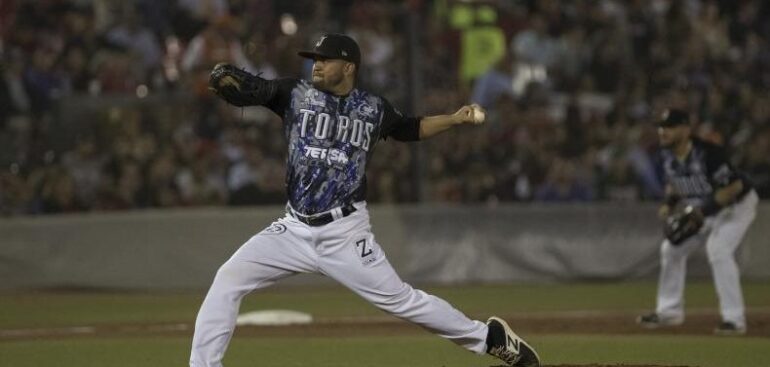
609,365
565,323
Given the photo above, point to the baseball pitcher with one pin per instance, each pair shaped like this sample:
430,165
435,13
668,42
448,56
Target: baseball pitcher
709,202
332,129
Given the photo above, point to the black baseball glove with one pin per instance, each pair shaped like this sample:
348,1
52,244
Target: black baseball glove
682,223
239,87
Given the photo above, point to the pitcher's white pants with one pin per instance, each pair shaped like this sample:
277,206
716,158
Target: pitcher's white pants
722,234
344,250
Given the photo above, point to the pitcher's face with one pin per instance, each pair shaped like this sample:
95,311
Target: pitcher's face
328,73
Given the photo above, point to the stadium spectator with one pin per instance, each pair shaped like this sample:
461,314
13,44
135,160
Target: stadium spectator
79,82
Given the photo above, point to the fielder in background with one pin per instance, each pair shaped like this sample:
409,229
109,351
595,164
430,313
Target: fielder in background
332,128
707,201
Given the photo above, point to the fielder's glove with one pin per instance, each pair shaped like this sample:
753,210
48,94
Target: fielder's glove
236,86
682,224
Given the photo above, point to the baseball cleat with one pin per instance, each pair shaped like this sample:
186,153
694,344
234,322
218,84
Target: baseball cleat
727,328
654,321
503,343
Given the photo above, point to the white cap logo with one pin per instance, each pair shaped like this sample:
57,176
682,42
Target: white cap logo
318,44
344,53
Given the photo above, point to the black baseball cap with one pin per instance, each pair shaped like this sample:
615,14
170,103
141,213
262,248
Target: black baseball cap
335,46
674,117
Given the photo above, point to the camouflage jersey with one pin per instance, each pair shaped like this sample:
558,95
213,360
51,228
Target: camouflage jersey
331,139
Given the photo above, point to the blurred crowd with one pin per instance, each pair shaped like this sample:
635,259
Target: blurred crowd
104,105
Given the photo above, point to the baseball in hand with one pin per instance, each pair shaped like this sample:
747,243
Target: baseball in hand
229,81
478,114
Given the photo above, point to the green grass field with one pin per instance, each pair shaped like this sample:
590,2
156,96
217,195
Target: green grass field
415,351
45,310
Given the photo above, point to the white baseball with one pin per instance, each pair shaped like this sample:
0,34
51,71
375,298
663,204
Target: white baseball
478,115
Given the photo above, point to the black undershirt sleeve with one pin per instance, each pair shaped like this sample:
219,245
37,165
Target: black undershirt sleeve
280,100
720,171
396,125
721,174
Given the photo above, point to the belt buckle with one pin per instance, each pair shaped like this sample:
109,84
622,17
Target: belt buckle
317,220
324,218
312,220
302,219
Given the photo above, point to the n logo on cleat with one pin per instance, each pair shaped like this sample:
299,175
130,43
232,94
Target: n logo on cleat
513,343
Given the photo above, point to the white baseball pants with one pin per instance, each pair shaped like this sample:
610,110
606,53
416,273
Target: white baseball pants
722,234
344,250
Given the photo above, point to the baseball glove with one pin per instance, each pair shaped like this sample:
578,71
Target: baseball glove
682,224
236,86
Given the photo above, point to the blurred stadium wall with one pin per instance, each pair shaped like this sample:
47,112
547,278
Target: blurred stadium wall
426,244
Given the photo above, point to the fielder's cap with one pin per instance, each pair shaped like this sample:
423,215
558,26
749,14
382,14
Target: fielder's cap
674,117
335,46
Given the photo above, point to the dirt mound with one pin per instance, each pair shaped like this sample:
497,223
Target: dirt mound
609,365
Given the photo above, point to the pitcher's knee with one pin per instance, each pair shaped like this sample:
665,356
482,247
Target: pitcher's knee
397,302
720,255
230,271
